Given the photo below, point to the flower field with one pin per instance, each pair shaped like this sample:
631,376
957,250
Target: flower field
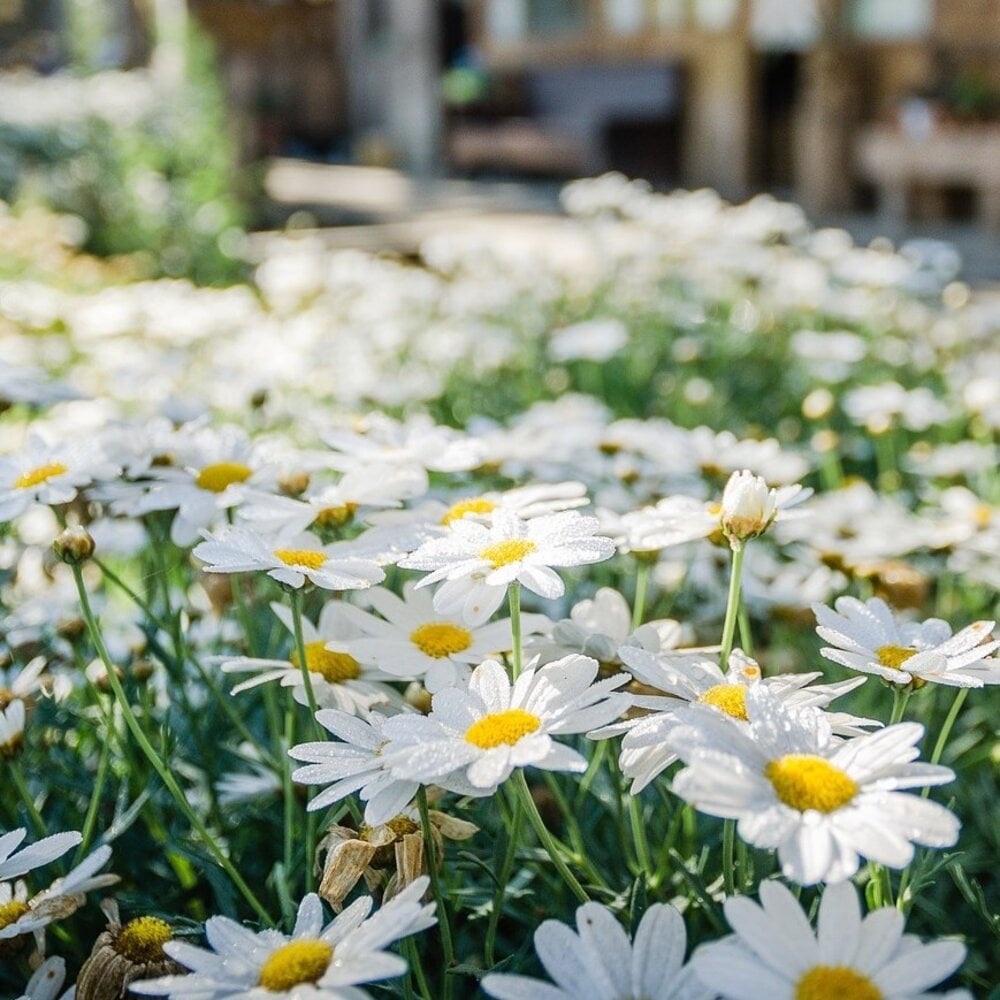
603,613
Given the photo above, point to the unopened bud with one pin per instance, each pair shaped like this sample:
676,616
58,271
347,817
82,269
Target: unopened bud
294,484
74,546
748,507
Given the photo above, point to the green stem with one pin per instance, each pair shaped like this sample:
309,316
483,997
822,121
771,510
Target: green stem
900,696
732,605
29,803
295,597
949,722
417,968
728,866
641,590
746,636
545,838
639,836
90,822
287,790
507,866
444,921
154,758
514,596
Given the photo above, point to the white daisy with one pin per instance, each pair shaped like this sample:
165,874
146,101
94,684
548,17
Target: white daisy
337,504
599,962
354,765
412,640
21,913
48,474
338,679
210,472
12,720
315,961
600,627
866,636
697,680
775,954
526,502
484,732
290,561
478,563
819,802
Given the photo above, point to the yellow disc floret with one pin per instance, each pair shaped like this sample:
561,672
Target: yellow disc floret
11,912
40,475
505,553
835,982
805,782
142,940
336,517
441,639
330,665
894,657
309,558
219,477
500,728
471,505
728,698
296,963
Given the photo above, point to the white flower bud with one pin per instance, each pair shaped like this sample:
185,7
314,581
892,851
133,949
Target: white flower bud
748,507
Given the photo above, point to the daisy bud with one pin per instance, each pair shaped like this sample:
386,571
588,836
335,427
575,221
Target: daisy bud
294,484
74,546
748,507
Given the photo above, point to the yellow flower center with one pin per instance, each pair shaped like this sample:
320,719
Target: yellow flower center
805,782
728,698
440,639
296,963
894,657
835,982
471,505
505,553
300,557
501,728
142,940
336,517
331,666
11,912
6,697
219,477
40,475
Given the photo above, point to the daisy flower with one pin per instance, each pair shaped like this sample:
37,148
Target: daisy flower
337,504
212,470
412,640
687,680
315,961
477,563
50,474
774,953
355,764
599,962
524,501
338,679
291,562
485,731
21,913
12,719
866,636
822,804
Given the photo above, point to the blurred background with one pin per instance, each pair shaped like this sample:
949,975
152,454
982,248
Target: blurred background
171,127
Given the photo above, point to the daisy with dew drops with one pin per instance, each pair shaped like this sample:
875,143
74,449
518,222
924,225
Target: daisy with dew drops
774,953
316,960
475,564
866,636
599,962
337,679
822,804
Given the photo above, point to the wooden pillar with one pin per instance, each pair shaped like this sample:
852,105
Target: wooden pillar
719,113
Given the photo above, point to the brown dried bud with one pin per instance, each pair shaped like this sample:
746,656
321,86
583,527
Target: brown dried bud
74,546
122,955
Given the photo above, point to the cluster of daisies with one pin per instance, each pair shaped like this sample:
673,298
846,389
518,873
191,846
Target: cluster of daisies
393,682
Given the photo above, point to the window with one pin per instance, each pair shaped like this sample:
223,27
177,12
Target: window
892,20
